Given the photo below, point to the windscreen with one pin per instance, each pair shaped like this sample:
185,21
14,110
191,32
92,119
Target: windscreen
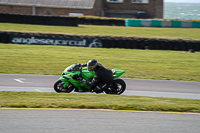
74,67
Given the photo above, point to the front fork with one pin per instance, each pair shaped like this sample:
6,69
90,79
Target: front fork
65,81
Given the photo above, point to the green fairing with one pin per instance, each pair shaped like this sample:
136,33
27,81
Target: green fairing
117,73
75,70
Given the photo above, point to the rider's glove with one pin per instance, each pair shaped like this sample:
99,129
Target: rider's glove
84,64
82,80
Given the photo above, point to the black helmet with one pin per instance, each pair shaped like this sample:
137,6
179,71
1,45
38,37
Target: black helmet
92,65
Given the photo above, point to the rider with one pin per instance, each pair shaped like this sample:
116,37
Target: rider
103,77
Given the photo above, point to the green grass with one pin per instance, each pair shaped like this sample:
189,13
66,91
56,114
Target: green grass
192,33
145,64
96,101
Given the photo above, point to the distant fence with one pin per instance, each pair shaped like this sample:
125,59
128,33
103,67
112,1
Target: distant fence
36,19
161,23
98,41
56,20
74,21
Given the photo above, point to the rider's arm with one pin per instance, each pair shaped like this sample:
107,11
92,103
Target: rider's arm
92,83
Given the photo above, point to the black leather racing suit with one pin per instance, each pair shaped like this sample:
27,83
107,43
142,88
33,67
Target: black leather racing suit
103,78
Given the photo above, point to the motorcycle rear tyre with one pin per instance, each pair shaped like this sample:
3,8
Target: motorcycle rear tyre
115,83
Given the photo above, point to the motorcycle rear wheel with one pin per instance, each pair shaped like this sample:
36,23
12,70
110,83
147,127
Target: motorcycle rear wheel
118,86
58,87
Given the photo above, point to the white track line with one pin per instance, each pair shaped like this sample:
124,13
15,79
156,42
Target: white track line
19,80
38,90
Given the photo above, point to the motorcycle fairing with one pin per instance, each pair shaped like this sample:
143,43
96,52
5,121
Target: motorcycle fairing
76,69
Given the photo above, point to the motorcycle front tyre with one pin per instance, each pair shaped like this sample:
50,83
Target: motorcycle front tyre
58,87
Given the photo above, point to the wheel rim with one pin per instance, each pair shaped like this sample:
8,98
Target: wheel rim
67,89
118,87
115,88
60,87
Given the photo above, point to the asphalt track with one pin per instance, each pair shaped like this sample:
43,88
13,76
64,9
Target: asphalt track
95,121
138,87
98,121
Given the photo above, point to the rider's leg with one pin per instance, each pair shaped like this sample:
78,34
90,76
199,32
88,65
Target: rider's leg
100,87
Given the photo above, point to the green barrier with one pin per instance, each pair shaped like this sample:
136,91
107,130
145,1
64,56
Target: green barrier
186,24
176,23
160,23
135,22
196,24
126,22
156,23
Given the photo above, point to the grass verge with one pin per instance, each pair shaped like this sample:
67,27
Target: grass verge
96,101
190,33
145,64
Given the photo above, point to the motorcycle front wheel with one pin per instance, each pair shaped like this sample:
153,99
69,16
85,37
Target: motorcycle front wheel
58,87
118,86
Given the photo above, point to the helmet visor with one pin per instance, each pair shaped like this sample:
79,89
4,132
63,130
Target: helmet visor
90,68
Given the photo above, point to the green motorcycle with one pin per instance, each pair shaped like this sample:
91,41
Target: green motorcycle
70,80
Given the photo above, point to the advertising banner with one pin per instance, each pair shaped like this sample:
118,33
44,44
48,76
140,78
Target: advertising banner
55,40
99,41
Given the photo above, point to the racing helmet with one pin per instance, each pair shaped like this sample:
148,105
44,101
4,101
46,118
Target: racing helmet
92,65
